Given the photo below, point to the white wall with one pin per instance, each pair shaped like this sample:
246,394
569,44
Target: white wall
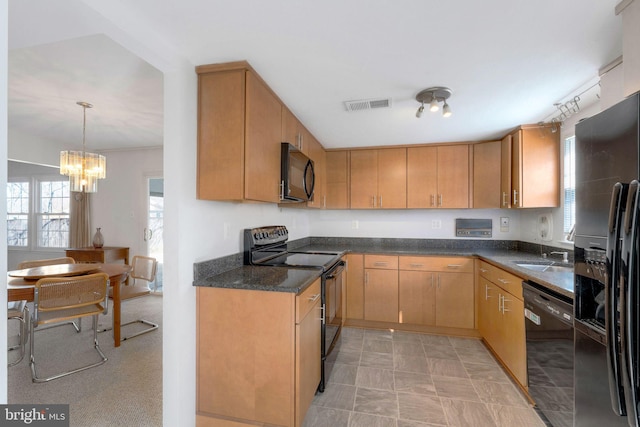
119,206
411,223
4,52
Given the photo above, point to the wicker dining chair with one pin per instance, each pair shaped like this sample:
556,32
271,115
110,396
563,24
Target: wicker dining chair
17,310
144,270
58,299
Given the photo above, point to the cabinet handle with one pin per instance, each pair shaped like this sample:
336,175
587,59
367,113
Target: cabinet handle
324,201
504,308
381,202
416,265
314,298
504,198
454,265
380,263
500,302
439,200
482,270
433,200
515,197
503,281
486,293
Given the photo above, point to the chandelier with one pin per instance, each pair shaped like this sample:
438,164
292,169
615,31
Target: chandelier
84,169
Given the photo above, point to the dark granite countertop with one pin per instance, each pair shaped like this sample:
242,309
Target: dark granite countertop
258,278
282,279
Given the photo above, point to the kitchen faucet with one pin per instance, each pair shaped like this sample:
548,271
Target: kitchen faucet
565,255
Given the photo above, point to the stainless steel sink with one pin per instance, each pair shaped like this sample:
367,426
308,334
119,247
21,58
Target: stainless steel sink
546,267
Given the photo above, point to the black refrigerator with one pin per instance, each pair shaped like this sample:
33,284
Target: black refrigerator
606,302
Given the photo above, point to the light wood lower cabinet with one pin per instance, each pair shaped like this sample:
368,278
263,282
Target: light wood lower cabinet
437,291
381,288
422,292
501,318
258,356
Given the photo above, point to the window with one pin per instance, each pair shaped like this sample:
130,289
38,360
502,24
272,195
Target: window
569,183
17,214
38,213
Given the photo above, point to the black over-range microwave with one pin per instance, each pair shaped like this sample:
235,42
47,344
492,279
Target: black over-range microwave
297,175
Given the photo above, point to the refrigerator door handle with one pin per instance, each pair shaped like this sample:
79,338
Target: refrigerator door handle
616,390
628,297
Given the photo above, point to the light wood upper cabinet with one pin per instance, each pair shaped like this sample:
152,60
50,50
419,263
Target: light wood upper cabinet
438,177
294,132
486,174
505,171
239,132
378,178
534,167
318,155
337,179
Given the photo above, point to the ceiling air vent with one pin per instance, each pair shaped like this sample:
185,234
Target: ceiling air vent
367,104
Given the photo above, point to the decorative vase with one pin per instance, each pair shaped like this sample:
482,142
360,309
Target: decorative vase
98,240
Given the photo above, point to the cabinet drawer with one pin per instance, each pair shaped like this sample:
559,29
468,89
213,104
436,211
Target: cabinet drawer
507,281
384,262
431,263
306,300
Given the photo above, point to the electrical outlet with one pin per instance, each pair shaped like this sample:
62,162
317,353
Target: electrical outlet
504,223
355,224
436,224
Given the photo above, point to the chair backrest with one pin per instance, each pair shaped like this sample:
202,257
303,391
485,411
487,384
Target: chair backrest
65,293
41,262
144,268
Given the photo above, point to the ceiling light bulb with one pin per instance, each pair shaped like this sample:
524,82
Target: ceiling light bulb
433,107
446,110
420,110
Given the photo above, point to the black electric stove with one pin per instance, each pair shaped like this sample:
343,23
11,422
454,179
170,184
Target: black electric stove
267,246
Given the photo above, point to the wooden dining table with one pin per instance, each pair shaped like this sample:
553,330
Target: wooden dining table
21,283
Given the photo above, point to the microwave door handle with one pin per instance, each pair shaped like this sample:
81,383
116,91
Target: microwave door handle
628,330
611,301
308,189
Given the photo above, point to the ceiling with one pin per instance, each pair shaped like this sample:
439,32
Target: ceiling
507,63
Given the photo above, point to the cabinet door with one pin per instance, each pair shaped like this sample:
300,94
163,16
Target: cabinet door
337,179
422,177
221,134
417,300
453,176
355,286
486,175
455,304
540,167
515,352
392,178
308,358
505,172
487,307
381,295
262,144
317,154
364,179
516,169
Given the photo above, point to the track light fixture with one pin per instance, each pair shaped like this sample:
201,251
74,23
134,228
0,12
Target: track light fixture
433,96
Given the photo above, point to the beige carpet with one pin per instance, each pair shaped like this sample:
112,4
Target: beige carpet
124,391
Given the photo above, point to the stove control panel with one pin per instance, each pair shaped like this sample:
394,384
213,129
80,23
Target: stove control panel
262,236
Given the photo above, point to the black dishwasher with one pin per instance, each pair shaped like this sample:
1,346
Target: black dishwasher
549,336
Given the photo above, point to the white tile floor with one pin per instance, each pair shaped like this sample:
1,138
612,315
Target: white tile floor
402,379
